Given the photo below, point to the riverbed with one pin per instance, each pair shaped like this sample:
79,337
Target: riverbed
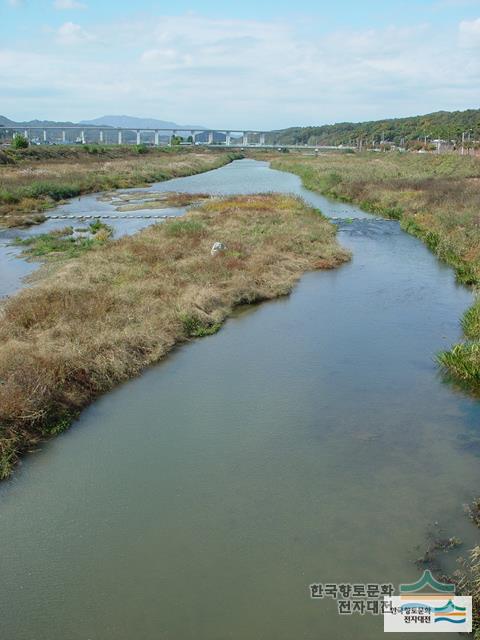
311,440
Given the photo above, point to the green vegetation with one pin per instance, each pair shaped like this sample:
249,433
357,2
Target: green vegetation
101,318
436,198
66,243
182,228
35,179
95,148
444,125
20,142
196,327
176,140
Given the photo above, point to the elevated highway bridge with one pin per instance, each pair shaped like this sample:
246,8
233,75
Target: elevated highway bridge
235,138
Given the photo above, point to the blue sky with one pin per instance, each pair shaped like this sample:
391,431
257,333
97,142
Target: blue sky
238,64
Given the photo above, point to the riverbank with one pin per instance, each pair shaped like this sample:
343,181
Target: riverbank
436,198
99,319
36,179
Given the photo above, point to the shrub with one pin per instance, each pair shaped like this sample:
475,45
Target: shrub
8,198
20,142
52,190
194,327
98,225
5,158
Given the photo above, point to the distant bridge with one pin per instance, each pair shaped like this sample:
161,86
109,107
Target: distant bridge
236,138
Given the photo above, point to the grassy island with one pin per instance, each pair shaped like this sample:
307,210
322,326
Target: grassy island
100,316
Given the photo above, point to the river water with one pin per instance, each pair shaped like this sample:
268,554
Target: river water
311,440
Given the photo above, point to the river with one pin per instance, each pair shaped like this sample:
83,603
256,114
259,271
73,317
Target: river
311,440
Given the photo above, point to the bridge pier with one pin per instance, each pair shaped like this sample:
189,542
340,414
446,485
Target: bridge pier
245,139
210,137
157,138
262,139
138,137
44,135
228,138
26,133
119,136
64,136
101,137
82,136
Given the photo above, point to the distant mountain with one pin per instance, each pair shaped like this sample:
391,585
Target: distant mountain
106,121
34,123
5,122
138,123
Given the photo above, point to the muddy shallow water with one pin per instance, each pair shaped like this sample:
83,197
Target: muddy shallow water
310,440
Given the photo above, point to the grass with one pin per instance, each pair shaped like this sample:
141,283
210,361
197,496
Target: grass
436,198
36,179
467,576
100,318
64,243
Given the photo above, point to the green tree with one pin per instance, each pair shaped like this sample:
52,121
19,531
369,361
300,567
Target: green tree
175,140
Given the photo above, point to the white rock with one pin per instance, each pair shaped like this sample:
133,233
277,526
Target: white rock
217,248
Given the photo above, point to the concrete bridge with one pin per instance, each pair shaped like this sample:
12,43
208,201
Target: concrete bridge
236,138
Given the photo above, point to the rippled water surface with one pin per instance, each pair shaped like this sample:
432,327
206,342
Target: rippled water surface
310,440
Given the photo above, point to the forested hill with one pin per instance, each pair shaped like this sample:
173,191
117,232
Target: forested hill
445,125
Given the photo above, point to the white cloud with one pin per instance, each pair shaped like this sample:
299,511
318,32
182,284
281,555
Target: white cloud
469,31
245,73
68,4
166,58
70,34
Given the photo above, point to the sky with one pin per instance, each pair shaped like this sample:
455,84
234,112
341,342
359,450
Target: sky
259,64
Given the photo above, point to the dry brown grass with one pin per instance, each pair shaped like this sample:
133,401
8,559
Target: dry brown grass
101,318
